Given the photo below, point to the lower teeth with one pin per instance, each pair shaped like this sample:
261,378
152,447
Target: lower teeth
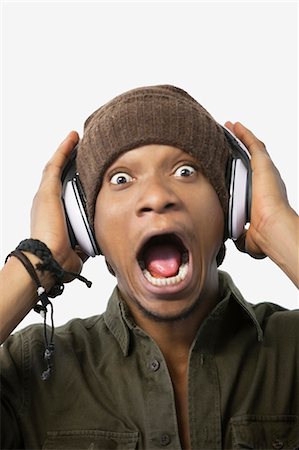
183,270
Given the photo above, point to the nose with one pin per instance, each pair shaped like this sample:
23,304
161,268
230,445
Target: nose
156,196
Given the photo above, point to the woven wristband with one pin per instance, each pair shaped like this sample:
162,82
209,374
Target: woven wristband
40,249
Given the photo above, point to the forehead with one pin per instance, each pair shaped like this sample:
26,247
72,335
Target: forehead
147,154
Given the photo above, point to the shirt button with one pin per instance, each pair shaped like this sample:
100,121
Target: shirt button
165,440
277,444
155,365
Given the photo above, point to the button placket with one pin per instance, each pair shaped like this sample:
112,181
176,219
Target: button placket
159,398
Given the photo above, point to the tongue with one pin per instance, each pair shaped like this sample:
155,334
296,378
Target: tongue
162,260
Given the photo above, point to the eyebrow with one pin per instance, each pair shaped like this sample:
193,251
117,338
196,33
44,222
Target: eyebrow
181,154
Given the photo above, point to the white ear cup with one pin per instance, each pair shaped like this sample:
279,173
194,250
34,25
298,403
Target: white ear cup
78,219
237,208
239,183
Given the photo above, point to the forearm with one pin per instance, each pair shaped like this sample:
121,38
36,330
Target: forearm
18,290
281,244
18,293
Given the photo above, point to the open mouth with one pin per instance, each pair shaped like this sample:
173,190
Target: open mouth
164,260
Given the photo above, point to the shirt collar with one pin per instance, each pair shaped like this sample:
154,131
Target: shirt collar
120,323
230,291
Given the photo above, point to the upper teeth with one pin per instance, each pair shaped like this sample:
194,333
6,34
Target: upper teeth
183,270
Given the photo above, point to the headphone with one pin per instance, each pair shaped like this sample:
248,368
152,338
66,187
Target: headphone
239,181
238,176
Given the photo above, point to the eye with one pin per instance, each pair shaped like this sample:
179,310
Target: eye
121,178
185,171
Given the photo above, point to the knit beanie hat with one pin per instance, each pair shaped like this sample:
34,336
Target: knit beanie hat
151,115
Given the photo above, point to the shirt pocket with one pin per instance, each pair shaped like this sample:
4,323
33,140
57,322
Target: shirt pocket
265,432
91,440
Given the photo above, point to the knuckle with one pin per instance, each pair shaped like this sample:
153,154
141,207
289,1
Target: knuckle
262,144
51,171
47,168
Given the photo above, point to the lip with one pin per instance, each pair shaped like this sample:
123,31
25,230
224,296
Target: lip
169,289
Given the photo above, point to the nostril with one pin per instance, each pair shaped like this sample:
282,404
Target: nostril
156,199
169,205
148,209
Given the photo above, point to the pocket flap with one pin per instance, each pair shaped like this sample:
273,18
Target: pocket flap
90,439
265,432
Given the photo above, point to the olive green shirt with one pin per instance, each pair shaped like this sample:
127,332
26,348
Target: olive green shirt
111,388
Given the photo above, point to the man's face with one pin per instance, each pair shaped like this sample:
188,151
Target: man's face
160,225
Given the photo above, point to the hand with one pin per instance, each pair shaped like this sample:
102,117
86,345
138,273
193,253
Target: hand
269,198
48,222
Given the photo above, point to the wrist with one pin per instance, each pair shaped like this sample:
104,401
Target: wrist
272,232
279,240
49,264
47,280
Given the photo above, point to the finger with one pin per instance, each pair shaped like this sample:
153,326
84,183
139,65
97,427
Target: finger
250,141
229,125
54,167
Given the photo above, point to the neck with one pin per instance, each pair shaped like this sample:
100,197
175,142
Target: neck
175,337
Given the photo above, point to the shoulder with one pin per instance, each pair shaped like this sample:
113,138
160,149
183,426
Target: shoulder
278,323
271,311
78,342
72,333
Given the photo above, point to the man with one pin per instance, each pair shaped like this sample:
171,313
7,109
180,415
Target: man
179,359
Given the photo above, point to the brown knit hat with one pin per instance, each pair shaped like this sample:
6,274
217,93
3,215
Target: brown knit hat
151,115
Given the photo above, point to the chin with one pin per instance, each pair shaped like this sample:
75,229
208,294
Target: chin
167,312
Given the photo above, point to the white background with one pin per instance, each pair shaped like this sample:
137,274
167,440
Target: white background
63,60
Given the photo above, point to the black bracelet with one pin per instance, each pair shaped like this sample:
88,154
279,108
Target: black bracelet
41,309
49,264
41,292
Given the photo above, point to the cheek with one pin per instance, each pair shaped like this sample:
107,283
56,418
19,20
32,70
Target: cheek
104,225
209,217
111,227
